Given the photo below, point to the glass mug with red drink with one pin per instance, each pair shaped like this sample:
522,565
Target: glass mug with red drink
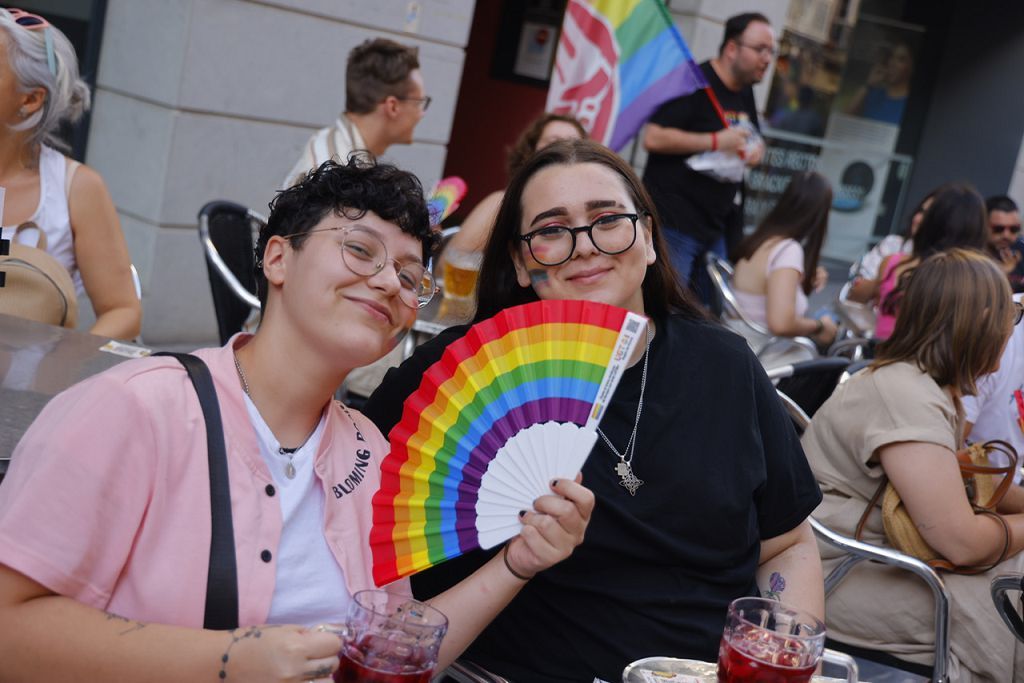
765,640
388,638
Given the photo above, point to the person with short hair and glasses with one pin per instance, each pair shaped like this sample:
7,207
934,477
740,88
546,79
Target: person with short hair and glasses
702,489
384,101
701,213
1004,243
105,524
40,90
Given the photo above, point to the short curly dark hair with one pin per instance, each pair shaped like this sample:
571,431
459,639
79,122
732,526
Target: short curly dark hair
349,190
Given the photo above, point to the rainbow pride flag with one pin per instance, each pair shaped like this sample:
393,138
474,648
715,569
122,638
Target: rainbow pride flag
617,61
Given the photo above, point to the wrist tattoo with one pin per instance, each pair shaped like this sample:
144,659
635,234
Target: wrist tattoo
128,623
776,584
236,636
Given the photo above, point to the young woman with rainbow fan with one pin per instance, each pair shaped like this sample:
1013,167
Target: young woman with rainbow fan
702,488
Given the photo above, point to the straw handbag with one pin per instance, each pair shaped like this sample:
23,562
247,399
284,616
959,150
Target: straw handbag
985,485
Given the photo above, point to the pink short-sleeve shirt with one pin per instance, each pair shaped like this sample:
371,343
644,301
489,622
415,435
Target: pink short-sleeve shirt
107,498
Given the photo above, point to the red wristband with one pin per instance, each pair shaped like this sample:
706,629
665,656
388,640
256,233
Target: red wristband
714,141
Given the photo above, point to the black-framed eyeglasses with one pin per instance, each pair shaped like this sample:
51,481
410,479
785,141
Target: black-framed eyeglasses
1018,312
553,245
365,254
1012,229
424,101
761,50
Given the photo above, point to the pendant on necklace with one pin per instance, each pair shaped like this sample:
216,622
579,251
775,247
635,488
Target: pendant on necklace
628,480
289,467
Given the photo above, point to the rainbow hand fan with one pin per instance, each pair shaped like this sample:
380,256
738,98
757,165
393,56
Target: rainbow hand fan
445,198
510,406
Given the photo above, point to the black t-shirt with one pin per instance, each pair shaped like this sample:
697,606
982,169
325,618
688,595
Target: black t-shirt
722,470
695,203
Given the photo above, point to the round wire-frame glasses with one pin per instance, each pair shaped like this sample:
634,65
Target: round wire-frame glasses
365,254
608,234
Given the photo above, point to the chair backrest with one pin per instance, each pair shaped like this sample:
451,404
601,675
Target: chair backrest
720,271
228,233
810,383
770,349
1001,586
858,551
858,318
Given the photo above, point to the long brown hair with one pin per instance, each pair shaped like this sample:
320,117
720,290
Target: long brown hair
953,321
800,214
955,218
498,288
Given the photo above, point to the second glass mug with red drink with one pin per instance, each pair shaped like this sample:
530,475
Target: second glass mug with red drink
764,641
388,638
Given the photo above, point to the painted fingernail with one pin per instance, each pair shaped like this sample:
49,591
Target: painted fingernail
554,483
522,513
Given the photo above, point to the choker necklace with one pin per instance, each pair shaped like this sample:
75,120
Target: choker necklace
624,468
289,468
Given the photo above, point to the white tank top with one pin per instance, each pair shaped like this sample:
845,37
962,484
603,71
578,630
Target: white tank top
52,215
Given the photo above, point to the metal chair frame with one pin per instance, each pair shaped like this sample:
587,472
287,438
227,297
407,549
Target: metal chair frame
214,257
721,272
1001,585
858,551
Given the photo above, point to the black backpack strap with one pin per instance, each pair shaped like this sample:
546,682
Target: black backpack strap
222,578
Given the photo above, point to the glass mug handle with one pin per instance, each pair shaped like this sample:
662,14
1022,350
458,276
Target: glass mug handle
844,660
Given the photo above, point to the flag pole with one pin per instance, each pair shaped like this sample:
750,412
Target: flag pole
692,64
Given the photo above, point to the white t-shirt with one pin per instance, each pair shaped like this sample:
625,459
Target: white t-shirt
309,586
994,411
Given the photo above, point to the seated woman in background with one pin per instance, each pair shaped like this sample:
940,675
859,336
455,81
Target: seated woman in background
902,419
776,267
866,269
39,90
955,218
702,493
539,134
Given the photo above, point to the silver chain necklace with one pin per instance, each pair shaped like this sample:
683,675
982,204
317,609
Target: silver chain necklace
289,468
624,468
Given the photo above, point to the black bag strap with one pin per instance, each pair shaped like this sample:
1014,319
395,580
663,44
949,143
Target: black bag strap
222,577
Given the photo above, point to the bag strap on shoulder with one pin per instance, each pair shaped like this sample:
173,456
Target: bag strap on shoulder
221,612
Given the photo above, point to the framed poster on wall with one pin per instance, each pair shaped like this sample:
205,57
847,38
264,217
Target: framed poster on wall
525,45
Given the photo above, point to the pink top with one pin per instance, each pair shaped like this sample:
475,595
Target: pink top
786,254
884,323
107,498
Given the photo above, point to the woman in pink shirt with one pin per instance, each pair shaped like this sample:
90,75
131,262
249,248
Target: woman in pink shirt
105,513
955,217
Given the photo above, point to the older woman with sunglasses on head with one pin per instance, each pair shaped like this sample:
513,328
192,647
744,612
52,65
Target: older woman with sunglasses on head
39,90
105,523
702,490
902,420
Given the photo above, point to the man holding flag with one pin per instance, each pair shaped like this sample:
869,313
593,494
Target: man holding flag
701,213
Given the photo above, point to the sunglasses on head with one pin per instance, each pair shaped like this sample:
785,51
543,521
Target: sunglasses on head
34,22
1012,229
